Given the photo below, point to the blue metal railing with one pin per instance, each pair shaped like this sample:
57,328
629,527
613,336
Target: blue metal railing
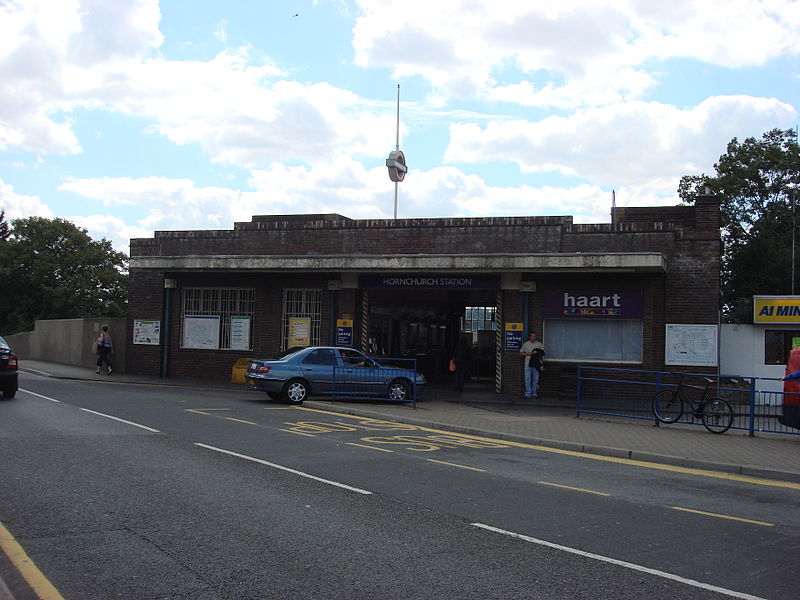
628,393
359,382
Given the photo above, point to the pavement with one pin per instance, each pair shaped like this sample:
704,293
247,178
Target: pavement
544,422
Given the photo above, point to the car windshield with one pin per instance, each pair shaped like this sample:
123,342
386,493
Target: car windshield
3,344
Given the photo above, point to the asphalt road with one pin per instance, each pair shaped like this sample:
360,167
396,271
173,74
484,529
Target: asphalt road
148,492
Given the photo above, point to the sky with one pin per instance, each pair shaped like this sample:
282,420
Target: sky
128,117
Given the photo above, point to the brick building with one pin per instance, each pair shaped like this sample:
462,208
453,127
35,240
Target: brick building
597,294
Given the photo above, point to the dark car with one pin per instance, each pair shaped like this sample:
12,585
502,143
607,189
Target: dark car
332,371
8,370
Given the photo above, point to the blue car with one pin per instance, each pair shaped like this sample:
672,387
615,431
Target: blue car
332,371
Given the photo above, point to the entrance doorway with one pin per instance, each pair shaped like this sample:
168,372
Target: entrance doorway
427,324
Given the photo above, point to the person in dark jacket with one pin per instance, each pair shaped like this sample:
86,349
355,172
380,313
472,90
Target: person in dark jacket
463,359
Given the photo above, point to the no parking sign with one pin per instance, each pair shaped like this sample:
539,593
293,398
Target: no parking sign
514,336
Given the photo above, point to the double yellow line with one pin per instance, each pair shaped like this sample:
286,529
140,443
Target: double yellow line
40,585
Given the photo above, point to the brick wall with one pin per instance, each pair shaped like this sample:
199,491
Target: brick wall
687,236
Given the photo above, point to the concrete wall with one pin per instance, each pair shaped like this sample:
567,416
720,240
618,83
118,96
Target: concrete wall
69,341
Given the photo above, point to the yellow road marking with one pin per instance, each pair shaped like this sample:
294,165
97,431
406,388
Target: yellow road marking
613,459
241,421
296,432
576,489
29,571
369,447
442,462
203,411
279,408
719,516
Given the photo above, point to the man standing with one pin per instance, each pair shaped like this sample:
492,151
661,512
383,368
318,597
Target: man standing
533,351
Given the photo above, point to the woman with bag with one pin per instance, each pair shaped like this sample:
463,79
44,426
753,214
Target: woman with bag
104,349
462,358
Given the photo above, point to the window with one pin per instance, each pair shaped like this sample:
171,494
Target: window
299,304
478,318
320,356
777,345
217,318
598,340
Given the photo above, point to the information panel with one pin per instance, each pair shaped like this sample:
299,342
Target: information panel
201,332
146,332
694,345
300,331
240,333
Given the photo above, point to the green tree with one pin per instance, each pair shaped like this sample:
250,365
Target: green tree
52,269
756,181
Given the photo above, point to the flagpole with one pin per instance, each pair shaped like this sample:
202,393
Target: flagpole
397,147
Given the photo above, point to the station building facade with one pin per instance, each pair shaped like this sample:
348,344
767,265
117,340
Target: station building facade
597,294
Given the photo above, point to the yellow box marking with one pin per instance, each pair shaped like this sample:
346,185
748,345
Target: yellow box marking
449,464
297,432
624,461
574,489
369,447
719,516
29,571
204,411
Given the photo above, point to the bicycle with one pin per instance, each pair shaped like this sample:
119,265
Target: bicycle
715,413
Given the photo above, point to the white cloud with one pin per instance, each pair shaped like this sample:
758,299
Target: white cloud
46,47
622,144
19,206
576,50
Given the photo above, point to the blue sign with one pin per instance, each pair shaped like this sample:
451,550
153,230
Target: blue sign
344,332
513,338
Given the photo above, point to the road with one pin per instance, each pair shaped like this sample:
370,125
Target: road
127,491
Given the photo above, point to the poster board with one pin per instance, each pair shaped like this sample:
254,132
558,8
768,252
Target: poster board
201,332
240,333
299,331
146,332
691,345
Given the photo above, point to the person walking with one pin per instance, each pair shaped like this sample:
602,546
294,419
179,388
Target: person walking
463,359
533,351
105,348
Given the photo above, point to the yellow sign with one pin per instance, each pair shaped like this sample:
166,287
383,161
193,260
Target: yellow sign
776,309
300,331
344,322
514,326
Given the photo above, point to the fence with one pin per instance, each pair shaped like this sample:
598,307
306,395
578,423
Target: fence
394,380
629,394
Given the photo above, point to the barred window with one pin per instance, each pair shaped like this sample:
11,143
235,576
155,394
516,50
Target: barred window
301,307
478,318
218,318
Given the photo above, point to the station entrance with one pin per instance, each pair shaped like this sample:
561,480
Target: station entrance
427,325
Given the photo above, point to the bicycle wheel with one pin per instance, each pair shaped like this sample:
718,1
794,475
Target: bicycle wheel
667,406
717,415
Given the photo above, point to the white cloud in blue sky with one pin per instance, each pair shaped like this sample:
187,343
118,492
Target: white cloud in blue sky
129,116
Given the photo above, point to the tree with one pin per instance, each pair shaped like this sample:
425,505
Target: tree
52,269
756,181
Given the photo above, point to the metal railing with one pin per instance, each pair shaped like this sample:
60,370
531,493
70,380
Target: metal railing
365,382
628,393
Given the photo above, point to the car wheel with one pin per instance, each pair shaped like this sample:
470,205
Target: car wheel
9,393
295,391
399,389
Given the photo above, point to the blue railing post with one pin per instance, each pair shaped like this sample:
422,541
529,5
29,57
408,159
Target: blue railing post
578,392
752,423
656,422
